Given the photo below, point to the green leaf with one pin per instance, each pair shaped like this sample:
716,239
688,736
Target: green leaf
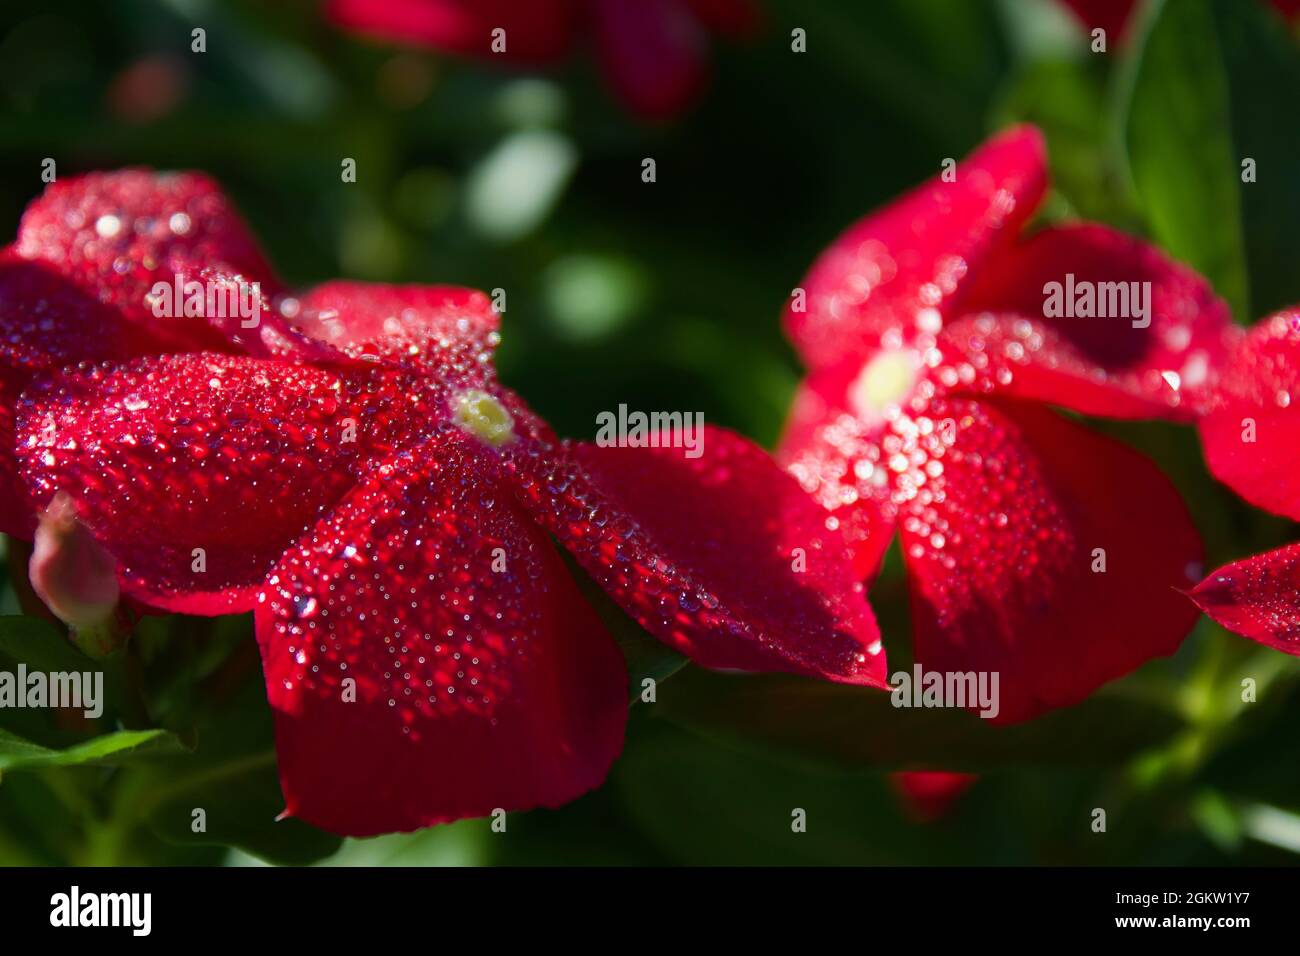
859,726
38,644
1068,100
231,777
1260,759
240,802
1215,84
935,63
42,647
706,804
460,844
114,749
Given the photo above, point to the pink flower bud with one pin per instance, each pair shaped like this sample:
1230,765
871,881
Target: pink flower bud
70,570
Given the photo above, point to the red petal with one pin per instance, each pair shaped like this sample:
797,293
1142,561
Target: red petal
897,271
1098,366
445,327
1000,545
822,448
475,689
928,795
1251,436
117,235
1258,597
702,552
17,513
47,322
654,53
536,31
232,455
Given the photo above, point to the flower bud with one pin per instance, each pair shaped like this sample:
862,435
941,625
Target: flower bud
74,575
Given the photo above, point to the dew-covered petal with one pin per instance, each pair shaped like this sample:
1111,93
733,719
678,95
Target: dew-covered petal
1006,545
48,321
444,329
196,471
537,31
17,513
123,237
1156,353
428,657
1252,436
654,53
1257,597
842,464
897,273
721,556
117,234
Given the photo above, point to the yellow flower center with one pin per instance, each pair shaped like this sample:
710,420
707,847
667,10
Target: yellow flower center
484,417
888,379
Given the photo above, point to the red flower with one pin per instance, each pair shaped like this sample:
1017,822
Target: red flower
1251,439
382,502
1114,16
653,52
928,795
1036,548
1109,15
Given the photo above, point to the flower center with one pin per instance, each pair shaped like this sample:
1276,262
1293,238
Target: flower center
884,381
484,417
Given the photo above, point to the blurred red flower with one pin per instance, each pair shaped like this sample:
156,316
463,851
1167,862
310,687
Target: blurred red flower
928,795
1113,16
654,53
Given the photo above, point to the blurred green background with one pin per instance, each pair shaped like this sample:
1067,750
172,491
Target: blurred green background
667,295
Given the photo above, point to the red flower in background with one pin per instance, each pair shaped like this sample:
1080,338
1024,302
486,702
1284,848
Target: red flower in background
654,53
1113,16
1109,15
928,795
352,470
1252,444
925,413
